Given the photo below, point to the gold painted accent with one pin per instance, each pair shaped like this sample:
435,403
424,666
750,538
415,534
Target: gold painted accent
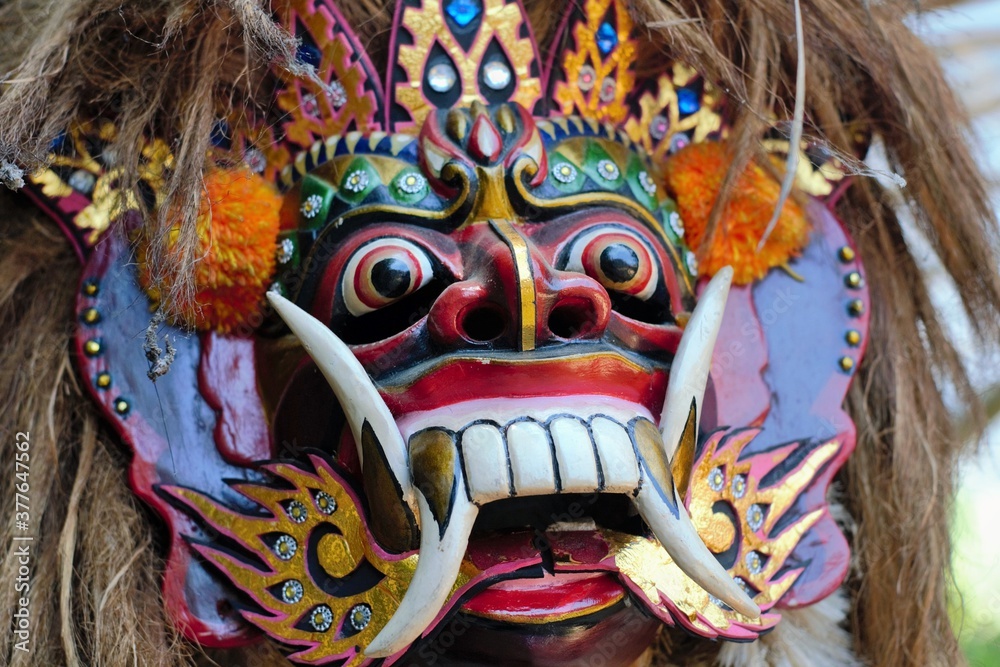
91,316
650,445
506,120
457,125
334,555
92,347
433,457
853,279
816,181
856,307
718,531
103,380
491,200
52,185
616,65
527,297
846,363
846,254
705,121
683,462
392,522
853,337
246,530
501,21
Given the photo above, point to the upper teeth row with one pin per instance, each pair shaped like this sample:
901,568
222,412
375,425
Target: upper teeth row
565,453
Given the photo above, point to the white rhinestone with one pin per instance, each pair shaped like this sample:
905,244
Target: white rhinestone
678,141
255,160
275,288
337,94
755,517
291,591
285,547
608,90
325,503
360,616
692,263
739,485
441,77
608,170
716,480
82,181
412,183
310,105
356,181
745,586
647,183
311,206
286,248
676,224
563,172
586,78
658,128
719,603
321,618
754,562
297,511
496,75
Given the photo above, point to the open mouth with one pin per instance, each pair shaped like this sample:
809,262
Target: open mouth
482,481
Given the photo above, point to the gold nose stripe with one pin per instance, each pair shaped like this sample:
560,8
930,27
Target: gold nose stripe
527,298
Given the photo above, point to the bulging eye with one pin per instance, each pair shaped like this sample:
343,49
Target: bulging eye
383,272
617,259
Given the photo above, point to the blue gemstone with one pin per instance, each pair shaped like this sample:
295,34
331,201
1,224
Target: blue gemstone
307,54
607,38
463,12
687,101
220,134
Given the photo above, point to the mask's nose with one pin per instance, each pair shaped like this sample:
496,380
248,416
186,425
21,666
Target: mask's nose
512,297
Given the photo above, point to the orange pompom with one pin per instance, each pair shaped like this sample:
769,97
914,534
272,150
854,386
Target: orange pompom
237,231
694,177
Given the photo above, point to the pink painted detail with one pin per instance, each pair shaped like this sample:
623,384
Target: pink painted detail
228,381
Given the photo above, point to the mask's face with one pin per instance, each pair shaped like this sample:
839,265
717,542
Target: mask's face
495,417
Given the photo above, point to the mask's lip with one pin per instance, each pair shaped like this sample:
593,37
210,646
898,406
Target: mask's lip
552,598
504,410
458,379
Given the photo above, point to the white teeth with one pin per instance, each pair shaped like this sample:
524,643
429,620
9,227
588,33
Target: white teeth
666,516
486,471
577,465
353,388
614,447
689,372
437,570
530,459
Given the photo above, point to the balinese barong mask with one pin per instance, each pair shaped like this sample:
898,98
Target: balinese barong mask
497,409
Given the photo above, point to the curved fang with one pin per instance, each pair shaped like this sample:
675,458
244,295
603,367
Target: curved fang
442,549
353,388
670,523
689,371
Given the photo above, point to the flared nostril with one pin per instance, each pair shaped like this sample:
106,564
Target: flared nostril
482,324
573,317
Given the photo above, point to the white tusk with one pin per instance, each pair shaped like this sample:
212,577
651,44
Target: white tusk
666,516
689,371
438,567
353,388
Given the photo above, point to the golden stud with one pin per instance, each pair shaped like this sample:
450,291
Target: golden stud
103,380
846,363
92,348
853,338
856,307
122,406
90,288
91,316
853,279
846,254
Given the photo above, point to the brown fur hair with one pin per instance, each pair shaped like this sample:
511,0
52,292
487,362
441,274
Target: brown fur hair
170,68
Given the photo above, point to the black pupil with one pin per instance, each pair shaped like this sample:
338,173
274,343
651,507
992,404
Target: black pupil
391,277
619,263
